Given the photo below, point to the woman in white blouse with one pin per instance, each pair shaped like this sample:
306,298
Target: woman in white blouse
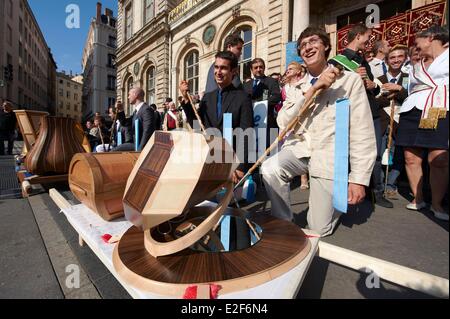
428,90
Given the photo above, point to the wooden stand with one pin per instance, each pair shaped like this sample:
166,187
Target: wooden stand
27,182
282,247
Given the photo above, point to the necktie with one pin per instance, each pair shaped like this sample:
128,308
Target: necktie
393,80
255,86
384,67
219,104
314,80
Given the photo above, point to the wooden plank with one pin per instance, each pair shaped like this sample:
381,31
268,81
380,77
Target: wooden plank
47,179
400,275
59,200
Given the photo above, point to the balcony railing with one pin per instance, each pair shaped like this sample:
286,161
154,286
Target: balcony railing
182,9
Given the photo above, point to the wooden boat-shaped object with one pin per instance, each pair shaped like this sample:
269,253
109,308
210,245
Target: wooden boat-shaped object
57,143
158,254
98,180
175,172
29,124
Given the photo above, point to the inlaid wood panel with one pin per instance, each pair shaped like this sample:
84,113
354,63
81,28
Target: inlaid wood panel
148,174
56,145
282,246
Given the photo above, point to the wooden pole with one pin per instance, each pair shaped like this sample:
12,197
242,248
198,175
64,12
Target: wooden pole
292,126
400,275
112,130
391,129
202,127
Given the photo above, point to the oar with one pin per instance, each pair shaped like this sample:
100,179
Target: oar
391,125
112,130
291,126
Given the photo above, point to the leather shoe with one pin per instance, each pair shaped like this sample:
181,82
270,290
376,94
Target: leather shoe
383,202
439,215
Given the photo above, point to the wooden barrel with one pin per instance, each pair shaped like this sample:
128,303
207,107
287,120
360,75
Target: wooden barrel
98,180
55,146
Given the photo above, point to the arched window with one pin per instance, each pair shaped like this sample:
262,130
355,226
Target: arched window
246,57
191,71
151,84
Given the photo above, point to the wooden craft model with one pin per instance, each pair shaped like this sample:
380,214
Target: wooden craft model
156,255
175,172
98,180
55,146
29,124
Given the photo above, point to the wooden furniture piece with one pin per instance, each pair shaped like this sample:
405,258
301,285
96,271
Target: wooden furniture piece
98,180
90,226
82,138
282,247
175,172
56,145
29,124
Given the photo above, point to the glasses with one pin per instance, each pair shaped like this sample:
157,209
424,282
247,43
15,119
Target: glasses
312,42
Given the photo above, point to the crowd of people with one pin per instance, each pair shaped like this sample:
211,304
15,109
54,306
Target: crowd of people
373,114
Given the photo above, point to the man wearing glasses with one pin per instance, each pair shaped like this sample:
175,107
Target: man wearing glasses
312,147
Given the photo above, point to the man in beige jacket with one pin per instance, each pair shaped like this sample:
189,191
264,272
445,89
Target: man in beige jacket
311,148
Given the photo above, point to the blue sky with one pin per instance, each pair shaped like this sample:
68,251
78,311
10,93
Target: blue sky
66,44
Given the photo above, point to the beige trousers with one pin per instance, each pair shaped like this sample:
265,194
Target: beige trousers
278,172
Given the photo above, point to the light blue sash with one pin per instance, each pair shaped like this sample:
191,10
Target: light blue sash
228,128
119,138
225,232
136,135
340,185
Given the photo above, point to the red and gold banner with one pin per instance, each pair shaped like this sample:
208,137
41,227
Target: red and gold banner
342,38
396,31
424,17
402,28
377,35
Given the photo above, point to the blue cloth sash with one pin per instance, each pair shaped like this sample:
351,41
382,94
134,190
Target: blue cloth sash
341,150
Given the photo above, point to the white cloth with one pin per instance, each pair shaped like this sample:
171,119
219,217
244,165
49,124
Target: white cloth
376,66
435,78
390,77
138,107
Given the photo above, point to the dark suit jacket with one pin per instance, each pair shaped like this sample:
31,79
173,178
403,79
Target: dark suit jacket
146,117
371,94
274,96
383,101
127,136
234,101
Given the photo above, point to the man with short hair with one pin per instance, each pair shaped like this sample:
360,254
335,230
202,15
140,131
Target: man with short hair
358,38
261,88
233,43
145,117
394,85
225,99
378,64
314,148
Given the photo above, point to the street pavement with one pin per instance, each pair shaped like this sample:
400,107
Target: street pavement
37,243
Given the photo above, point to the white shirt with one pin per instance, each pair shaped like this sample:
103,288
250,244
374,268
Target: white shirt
438,70
376,66
138,107
390,77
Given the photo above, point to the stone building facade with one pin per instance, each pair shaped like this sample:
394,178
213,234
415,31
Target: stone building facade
99,64
26,64
161,42
69,95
